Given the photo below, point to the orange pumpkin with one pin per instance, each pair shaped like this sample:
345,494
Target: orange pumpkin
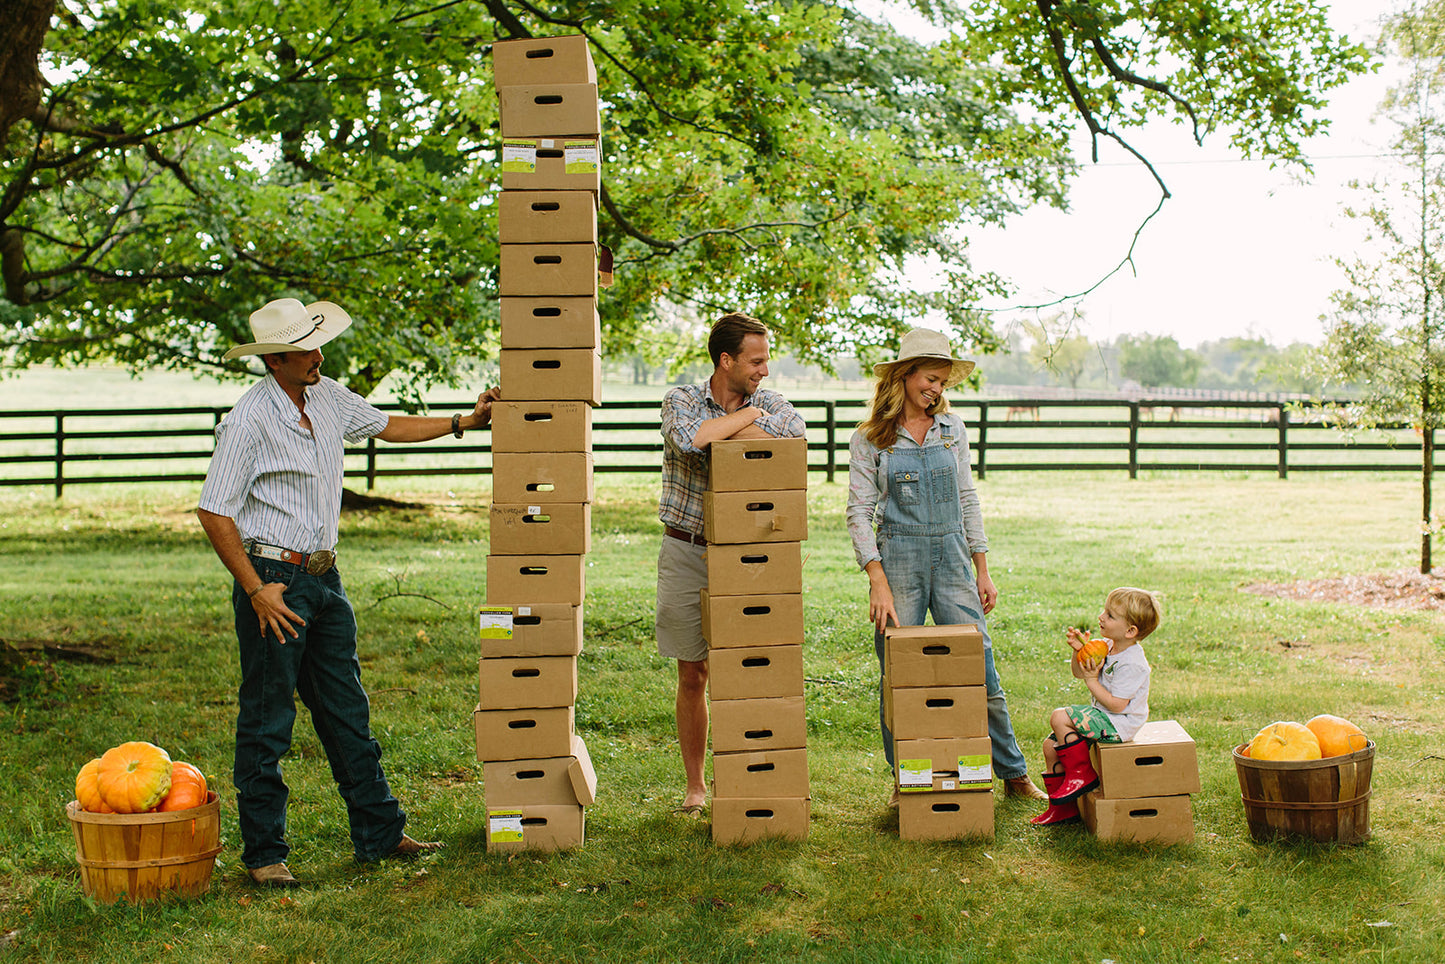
87,789
1092,649
1285,741
134,776
188,788
1337,736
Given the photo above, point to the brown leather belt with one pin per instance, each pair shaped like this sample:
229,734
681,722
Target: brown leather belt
315,563
684,536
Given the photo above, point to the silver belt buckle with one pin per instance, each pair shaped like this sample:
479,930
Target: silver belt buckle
320,561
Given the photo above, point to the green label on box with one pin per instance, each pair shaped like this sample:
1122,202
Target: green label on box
580,157
496,622
504,826
975,769
915,775
519,157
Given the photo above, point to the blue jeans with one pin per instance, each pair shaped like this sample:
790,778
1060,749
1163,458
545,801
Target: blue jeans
321,665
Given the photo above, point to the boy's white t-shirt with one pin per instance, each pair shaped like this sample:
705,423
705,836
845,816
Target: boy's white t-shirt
1126,676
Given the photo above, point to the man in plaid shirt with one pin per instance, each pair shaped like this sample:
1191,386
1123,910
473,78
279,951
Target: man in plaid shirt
727,405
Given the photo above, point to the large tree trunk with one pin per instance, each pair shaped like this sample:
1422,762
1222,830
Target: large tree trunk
23,24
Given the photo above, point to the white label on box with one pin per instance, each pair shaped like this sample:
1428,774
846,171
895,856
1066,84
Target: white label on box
948,784
504,826
497,623
580,157
519,157
975,769
915,775
524,610
534,510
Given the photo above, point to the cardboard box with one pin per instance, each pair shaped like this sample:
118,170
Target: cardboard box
1159,762
755,568
550,110
729,621
756,725
744,517
548,528
531,733
965,764
551,164
529,478
934,655
1167,819
945,816
556,781
544,629
766,773
936,712
739,820
536,578
557,270
541,425
546,322
547,217
535,827
581,773
755,672
517,682
552,374
757,465
542,60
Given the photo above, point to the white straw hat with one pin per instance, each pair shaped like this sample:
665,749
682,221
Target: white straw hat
925,343
287,325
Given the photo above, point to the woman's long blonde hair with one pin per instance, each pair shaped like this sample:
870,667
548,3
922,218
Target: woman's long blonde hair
881,425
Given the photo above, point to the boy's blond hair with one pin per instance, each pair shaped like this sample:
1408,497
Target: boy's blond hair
1139,608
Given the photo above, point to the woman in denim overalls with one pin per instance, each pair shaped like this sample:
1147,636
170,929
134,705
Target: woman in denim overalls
909,475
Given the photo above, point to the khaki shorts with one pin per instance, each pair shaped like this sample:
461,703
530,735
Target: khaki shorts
681,576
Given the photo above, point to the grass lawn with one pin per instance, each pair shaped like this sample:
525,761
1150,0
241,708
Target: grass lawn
126,573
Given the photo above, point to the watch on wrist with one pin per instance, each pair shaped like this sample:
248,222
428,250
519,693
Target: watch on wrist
457,425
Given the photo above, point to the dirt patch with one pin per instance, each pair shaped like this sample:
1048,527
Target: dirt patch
1401,589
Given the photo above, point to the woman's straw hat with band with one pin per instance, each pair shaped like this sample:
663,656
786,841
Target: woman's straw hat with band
920,344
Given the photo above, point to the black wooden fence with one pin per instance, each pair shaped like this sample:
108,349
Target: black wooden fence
101,445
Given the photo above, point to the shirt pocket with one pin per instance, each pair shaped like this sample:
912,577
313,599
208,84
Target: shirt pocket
944,484
904,487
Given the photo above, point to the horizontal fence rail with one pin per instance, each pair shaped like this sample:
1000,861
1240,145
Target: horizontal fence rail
98,446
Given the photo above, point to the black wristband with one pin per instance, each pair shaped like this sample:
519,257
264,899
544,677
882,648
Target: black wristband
457,425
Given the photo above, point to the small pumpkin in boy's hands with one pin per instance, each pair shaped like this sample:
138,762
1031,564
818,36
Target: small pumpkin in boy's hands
1091,650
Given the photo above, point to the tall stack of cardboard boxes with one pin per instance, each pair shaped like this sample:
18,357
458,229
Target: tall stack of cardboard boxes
537,776
936,705
755,521
1144,786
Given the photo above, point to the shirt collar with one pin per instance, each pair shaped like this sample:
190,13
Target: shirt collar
706,389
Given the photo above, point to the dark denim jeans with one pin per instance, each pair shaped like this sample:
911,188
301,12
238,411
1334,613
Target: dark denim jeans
321,665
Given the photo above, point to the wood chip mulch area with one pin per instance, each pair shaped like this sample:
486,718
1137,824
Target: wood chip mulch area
1402,589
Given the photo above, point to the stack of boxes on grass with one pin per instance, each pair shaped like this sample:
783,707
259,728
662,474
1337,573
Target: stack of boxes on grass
537,776
755,518
1144,786
936,705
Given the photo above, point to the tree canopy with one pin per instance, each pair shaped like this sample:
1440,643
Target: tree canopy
185,162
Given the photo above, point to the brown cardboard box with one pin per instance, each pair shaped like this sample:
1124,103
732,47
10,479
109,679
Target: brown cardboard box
739,820
755,725
542,60
755,672
541,425
532,477
548,528
535,827
766,773
1159,762
547,217
531,733
550,110
544,629
517,682
581,773
1167,820
558,270
521,783
544,322
754,569
552,374
758,465
743,517
536,578
551,164
729,621
936,712
965,764
945,816
934,655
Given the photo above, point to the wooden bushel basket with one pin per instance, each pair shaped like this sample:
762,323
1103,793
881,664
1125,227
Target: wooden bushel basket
141,856
1323,800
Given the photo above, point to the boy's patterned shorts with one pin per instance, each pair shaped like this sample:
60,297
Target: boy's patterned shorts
1093,723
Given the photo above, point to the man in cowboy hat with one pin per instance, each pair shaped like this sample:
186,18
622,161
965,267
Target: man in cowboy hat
270,506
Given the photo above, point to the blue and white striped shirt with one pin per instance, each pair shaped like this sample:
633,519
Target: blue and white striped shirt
279,482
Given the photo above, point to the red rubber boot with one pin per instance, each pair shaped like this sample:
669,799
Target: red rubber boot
1079,775
1057,812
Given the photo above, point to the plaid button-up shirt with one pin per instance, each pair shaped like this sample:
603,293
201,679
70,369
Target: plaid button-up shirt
684,466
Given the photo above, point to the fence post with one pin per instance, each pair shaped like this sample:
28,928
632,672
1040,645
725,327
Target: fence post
1282,414
831,423
1134,439
59,453
982,464
371,463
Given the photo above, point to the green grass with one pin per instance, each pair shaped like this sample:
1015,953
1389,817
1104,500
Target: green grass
125,571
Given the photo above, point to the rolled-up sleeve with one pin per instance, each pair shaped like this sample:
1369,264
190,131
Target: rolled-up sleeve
862,499
968,503
782,419
232,470
682,416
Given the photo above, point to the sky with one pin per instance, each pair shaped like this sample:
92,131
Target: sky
1239,249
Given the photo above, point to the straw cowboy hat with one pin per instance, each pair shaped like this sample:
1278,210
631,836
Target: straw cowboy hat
925,343
287,325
